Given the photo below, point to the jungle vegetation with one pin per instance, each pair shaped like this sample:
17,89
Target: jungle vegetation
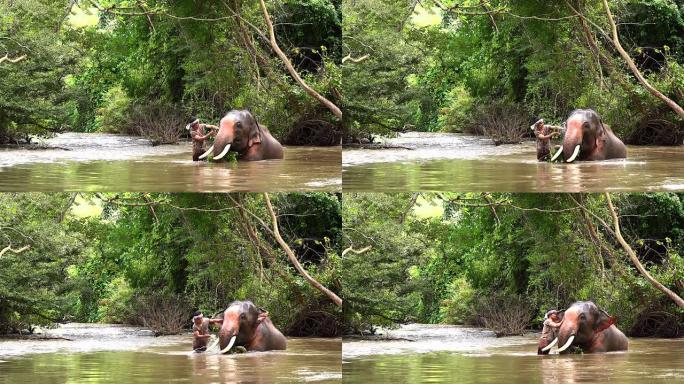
495,66
153,259
502,260
145,67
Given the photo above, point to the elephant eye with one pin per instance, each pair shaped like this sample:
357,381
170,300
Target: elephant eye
242,316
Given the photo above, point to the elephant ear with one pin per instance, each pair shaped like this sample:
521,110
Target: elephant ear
263,314
604,321
254,134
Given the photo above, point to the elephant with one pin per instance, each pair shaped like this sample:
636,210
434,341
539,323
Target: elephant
587,138
244,324
589,328
239,132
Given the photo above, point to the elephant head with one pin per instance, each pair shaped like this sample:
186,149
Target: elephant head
585,133
580,324
240,322
238,131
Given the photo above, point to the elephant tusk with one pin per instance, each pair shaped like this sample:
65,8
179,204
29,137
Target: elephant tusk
225,150
230,345
554,342
213,344
574,154
567,344
205,154
555,157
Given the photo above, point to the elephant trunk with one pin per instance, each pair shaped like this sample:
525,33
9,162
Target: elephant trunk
572,144
222,143
227,335
566,336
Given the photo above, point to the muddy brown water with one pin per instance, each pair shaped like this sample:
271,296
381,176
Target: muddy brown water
467,355
442,161
119,354
105,162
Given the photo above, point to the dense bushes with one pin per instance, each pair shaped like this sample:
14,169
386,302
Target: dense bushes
153,259
441,71
119,73
503,260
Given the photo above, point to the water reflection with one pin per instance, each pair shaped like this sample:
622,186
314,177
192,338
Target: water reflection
113,355
119,163
504,360
470,165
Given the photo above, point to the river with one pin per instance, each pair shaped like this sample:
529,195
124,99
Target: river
107,162
452,161
104,353
443,353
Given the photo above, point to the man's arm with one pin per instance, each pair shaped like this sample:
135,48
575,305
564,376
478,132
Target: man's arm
552,323
215,321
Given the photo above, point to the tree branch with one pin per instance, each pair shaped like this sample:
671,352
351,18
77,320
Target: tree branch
10,249
635,260
625,56
290,68
358,252
276,233
15,60
354,60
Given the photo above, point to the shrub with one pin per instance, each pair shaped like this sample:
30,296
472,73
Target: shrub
503,122
164,314
455,116
162,123
506,315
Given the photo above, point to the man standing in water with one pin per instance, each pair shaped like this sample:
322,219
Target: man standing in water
200,331
543,133
198,137
552,323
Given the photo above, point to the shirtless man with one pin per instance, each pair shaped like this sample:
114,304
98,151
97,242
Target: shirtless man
200,331
198,137
544,133
552,323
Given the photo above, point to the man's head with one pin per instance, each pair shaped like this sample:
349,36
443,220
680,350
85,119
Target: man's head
538,125
197,318
193,124
552,314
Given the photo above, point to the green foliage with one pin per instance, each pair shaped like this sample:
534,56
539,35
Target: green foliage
535,247
377,285
112,116
426,76
194,250
33,96
36,285
190,56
